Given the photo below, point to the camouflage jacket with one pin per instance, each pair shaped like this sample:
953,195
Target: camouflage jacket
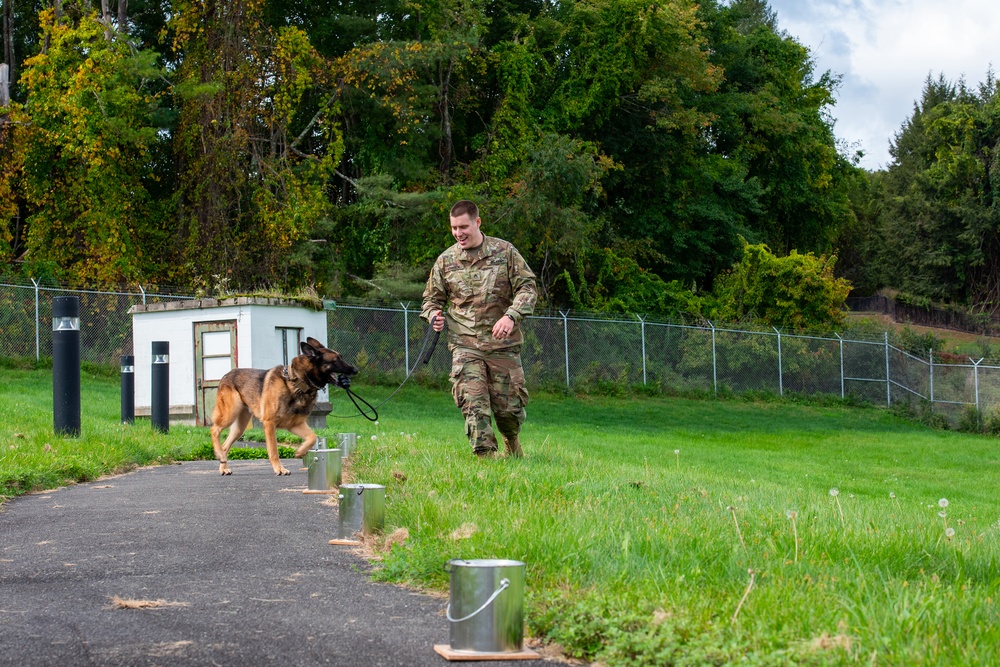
477,287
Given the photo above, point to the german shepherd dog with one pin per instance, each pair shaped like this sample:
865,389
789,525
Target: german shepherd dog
281,397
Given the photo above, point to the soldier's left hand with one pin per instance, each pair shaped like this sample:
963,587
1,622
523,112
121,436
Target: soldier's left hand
503,327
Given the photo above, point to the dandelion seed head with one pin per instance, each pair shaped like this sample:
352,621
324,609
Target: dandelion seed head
892,495
733,509
834,492
791,514
949,533
942,514
374,437
677,451
943,503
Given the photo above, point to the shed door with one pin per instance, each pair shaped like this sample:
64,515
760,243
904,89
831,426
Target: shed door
214,356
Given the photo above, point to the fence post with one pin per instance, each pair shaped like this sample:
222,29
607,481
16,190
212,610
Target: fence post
931,371
143,295
642,324
888,386
566,343
975,373
781,381
37,346
406,334
715,373
841,364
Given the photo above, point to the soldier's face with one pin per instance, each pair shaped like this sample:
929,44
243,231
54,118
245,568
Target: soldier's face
466,231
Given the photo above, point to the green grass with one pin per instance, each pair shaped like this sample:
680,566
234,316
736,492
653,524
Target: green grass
32,457
632,553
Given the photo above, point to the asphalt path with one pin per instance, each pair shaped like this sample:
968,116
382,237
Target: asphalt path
238,571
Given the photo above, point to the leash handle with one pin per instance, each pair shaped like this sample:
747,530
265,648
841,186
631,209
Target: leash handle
430,352
437,334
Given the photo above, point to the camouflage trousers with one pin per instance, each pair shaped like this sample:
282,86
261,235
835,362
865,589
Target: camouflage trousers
488,386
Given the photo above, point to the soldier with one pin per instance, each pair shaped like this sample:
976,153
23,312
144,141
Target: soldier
482,288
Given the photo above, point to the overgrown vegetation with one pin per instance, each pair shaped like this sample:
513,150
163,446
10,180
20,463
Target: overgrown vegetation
626,148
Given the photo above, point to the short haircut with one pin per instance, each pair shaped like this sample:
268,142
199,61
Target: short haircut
465,207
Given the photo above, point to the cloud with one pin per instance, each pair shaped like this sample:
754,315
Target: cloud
884,50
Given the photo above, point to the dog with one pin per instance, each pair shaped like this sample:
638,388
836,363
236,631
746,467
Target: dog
280,397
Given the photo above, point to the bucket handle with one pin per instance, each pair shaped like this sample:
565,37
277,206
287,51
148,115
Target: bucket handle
504,583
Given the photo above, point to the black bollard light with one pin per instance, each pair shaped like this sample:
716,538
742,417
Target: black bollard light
160,389
128,389
66,365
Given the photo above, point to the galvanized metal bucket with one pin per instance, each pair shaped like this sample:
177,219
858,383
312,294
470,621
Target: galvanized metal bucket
324,469
486,608
310,454
361,508
347,442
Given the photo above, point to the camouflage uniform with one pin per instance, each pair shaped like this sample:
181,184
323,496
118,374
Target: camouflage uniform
475,288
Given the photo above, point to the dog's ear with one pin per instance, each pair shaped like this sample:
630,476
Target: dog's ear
315,343
308,349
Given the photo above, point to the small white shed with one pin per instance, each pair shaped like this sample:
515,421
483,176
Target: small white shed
209,337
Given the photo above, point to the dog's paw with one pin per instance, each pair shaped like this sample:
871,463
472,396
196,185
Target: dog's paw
227,471
282,471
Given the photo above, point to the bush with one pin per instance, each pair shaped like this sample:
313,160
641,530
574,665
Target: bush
797,291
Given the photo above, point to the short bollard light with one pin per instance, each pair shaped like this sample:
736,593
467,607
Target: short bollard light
66,365
128,389
159,409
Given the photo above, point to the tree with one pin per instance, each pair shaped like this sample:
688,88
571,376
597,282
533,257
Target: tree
772,115
86,144
940,220
254,163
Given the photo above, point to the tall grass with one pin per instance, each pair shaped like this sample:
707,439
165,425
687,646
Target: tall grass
625,512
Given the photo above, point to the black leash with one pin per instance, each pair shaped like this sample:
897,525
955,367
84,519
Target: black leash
344,381
355,398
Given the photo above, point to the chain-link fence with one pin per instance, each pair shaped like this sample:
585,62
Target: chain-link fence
577,352
105,325
593,353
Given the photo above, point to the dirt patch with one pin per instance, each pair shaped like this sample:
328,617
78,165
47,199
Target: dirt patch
128,603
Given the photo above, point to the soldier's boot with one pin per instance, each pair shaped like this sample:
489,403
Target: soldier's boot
513,445
486,453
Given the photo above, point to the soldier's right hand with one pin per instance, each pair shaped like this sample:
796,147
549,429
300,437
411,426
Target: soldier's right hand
437,321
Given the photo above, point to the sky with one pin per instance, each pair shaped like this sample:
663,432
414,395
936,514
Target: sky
884,51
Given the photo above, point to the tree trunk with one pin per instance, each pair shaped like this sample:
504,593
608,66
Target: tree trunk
123,15
446,141
58,6
106,17
4,86
8,39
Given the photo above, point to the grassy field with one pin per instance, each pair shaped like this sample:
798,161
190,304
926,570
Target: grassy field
654,531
